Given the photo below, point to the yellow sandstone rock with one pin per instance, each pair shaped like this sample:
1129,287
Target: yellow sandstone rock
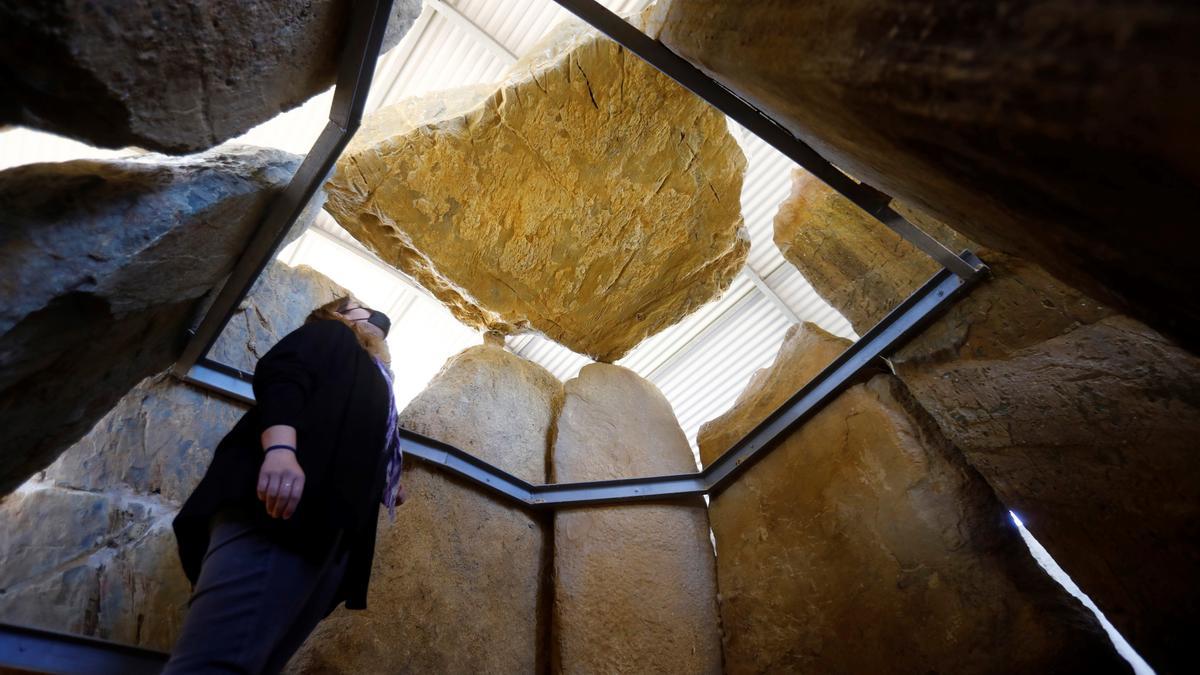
586,196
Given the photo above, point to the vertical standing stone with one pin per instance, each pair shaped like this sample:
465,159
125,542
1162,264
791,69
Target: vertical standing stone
864,544
1060,131
1082,420
458,580
635,589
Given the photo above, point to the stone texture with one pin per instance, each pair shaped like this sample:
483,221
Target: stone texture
865,544
586,196
86,546
1059,131
458,582
634,585
1084,421
104,263
277,304
857,265
176,77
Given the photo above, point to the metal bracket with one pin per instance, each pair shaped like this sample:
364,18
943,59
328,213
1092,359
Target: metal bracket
368,22
867,198
358,60
36,650
859,358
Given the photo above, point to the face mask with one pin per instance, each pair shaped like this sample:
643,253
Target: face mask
380,320
377,319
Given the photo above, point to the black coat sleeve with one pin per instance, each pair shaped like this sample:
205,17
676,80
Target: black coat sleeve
286,376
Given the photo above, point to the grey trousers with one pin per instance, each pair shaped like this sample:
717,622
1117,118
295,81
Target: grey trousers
254,603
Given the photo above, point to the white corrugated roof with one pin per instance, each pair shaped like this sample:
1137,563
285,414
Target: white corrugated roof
701,364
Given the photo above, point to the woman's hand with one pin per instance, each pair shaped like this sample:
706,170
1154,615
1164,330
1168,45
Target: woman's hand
280,483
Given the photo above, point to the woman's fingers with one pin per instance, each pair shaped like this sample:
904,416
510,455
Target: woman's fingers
293,500
273,486
264,480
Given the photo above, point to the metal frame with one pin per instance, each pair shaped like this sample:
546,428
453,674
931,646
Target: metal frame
941,291
368,23
867,198
46,651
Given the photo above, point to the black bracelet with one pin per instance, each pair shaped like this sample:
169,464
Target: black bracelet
277,446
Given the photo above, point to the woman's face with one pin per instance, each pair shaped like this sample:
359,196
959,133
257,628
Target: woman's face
359,314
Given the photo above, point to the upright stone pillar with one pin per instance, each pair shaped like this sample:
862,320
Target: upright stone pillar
864,544
458,581
635,589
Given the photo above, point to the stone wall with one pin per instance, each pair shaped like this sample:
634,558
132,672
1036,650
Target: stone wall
634,585
1059,131
1083,420
86,546
864,544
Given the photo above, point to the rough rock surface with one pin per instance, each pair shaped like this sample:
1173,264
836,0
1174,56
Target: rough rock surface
635,588
1063,132
103,263
1083,421
458,583
588,197
173,77
278,303
86,546
861,267
864,544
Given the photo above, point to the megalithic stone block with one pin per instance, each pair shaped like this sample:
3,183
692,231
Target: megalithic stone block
173,77
1061,132
863,543
1084,421
459,578
634,586
103,263
586,196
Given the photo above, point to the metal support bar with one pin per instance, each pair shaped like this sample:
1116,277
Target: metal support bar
25,649
368,22
761,284
762,125
883,339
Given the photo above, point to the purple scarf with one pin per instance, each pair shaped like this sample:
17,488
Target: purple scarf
391,446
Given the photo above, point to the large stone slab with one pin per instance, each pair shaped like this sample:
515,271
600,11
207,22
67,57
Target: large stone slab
103,264
1062,132
865,544
1083,421
459,579
172,77
587,196
634,585
86,546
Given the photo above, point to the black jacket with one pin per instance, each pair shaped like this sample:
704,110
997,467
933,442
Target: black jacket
319,380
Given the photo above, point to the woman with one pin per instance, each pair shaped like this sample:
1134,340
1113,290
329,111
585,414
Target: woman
282,527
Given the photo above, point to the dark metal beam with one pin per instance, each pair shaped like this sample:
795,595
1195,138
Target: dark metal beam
762,125
848,368
368,21
25,649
